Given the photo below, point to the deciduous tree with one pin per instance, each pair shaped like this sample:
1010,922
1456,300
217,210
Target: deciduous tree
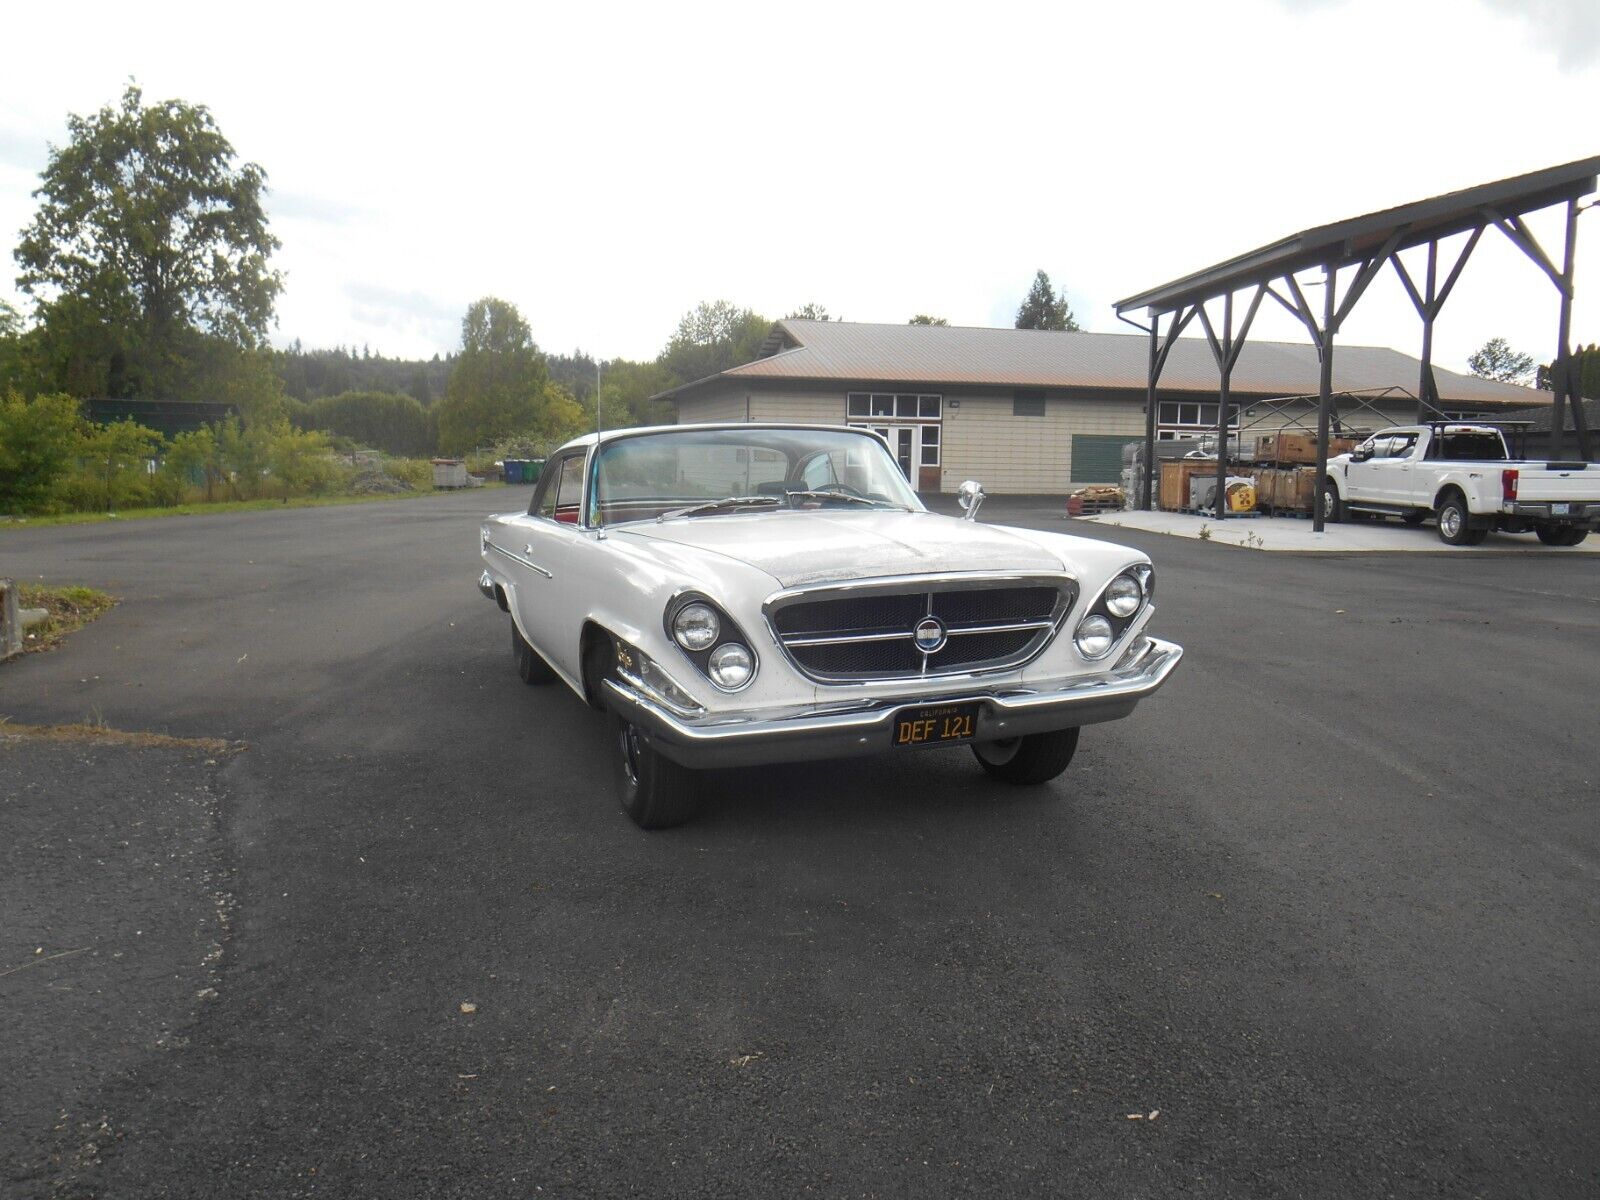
150,225
497,385
925,319
711,338
1497,360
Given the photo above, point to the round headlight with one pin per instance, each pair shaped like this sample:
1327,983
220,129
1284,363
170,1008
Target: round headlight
1094,637
730,666
1124,596
696,626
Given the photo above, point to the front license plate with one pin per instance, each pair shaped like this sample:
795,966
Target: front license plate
934,724
1560,510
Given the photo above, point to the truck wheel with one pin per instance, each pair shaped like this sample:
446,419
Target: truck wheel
1033,758
1560,535
531,669
1332,510
655,792
1455,527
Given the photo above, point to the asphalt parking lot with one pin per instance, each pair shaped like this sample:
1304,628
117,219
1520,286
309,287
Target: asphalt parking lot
1323,914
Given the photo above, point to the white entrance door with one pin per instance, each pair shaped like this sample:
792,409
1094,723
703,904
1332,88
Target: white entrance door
916,449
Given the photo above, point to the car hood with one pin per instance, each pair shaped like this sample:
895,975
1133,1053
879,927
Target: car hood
800,549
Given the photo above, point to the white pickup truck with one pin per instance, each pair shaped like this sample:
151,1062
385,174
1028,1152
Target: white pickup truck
1463,476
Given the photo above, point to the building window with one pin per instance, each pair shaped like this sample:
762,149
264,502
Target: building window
900,407
930,445
1027,403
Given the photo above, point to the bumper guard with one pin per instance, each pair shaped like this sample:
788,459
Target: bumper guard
866,727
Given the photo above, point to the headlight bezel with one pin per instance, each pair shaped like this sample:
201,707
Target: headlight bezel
728,634
1143,577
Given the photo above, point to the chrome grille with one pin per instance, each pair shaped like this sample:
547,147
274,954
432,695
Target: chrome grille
862,632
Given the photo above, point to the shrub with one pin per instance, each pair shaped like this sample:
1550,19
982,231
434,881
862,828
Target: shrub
418,472
37,440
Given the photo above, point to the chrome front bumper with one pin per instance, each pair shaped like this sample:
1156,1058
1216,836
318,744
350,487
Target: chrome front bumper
866,727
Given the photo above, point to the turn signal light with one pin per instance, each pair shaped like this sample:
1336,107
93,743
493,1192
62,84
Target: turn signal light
1508,485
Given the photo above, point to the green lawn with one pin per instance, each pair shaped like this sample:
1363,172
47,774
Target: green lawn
201,510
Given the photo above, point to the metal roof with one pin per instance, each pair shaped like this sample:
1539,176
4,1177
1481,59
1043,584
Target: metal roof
1351,240
1542,419
944,356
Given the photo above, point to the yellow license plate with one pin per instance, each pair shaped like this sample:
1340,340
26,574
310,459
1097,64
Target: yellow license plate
934,724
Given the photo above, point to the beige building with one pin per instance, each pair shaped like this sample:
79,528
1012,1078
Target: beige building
1029,411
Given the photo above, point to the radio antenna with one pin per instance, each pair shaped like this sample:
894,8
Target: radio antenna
598,424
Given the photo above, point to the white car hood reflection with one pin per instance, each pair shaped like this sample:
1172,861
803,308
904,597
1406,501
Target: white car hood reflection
803,548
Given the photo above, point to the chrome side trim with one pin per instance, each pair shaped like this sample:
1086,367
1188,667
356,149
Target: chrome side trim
517,558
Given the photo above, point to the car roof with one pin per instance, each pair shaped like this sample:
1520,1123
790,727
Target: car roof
610,435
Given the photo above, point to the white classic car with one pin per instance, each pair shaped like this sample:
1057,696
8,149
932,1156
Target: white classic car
743,594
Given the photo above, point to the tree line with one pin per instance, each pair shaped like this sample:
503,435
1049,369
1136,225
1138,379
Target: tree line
149,266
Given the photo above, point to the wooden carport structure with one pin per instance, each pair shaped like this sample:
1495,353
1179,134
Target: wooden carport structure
1364,245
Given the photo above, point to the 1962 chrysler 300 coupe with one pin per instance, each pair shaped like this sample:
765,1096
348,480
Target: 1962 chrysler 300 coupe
743,594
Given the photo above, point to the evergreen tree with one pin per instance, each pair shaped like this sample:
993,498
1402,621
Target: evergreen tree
1043,308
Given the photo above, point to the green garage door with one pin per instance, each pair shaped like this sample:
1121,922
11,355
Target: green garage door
1097,457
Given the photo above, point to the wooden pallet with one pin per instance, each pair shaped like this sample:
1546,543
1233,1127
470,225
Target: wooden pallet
1091,508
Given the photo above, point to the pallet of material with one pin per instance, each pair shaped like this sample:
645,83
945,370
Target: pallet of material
1286,489
1091,501
1175,476
1288,447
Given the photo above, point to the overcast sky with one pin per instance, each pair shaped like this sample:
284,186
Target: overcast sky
605,167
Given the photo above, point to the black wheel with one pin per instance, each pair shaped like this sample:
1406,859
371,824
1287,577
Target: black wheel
1560,535
531,669
1415,517
1332,510
1033,758
1455,528
655,791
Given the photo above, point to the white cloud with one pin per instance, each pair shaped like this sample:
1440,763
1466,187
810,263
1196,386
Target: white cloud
1568,29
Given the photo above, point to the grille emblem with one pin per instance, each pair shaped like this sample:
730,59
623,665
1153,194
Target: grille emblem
929,635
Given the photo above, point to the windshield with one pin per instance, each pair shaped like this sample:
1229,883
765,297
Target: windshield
717,471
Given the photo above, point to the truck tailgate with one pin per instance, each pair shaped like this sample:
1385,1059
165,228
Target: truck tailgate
1537,482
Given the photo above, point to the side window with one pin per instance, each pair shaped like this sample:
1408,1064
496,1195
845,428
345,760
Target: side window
818,472
1401,446
544,496
569,490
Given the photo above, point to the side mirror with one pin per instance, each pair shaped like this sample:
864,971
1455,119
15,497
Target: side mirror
1361,454
970,496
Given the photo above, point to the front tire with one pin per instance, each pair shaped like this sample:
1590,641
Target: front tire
655,792
1332,510
1032,759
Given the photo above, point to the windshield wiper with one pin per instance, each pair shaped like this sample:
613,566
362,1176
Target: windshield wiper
827,495
711,506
